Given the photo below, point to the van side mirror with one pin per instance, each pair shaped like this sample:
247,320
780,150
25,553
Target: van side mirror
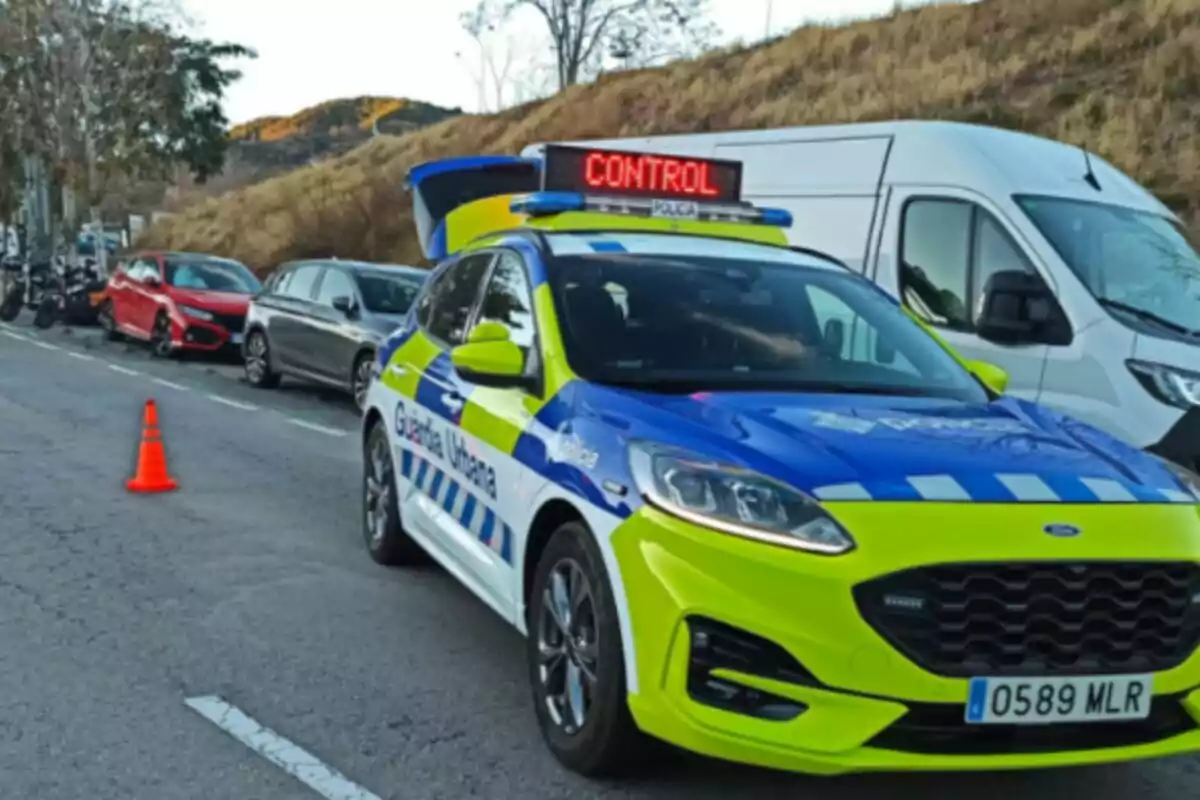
1017,307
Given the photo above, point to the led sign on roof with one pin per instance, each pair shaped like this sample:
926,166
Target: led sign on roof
613,172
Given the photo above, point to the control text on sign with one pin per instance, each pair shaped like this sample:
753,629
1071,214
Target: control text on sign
611,172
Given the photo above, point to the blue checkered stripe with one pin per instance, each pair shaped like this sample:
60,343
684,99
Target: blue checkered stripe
1002,488
459,502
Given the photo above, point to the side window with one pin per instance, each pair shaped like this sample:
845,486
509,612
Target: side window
279,281
454,297
301,284
994,252
508,300
846,336
935,261
335,284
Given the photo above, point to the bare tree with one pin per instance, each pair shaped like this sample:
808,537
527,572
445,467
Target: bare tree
586,34
496,53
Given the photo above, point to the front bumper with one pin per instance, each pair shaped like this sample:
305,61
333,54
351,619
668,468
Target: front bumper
207,337
865,705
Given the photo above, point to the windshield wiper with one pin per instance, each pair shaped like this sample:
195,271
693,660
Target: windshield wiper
693,386
1149,316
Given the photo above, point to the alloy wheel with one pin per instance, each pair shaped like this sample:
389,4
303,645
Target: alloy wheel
378,489
362,382
256,358
568,646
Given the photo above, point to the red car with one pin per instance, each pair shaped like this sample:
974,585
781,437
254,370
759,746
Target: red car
179,302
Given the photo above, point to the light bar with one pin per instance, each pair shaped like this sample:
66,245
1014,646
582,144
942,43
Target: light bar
542,204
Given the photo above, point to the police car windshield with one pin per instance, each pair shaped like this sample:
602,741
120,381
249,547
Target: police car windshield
696,323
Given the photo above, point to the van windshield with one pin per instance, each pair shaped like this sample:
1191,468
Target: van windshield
1137,264
689,323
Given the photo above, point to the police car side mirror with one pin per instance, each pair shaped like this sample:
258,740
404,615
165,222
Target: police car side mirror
989,375
489,357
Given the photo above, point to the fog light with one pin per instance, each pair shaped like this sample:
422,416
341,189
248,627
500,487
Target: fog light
714,646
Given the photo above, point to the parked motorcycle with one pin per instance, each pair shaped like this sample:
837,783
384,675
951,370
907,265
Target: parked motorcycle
30,286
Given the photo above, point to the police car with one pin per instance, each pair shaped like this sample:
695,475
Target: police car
737,500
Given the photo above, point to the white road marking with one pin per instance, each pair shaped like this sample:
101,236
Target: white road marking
312,426
45,345
300,764
16,336
123,370
170,384
216,398
80,356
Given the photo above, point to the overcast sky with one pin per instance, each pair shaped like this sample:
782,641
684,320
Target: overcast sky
310,52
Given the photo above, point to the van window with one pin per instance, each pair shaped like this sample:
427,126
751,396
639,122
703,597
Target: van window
935,261
949,249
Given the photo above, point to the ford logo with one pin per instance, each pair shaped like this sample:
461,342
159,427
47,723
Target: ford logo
1061,530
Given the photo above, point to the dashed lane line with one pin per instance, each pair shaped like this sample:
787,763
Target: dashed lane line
44,345
123,370
80,356
169,384
312,426
216,398
300,764
16,336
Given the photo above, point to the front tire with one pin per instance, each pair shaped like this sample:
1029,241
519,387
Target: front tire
576,660
387,543
160,338
258,362
108,322
47,313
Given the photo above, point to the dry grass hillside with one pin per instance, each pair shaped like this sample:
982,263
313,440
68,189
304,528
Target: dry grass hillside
1121,76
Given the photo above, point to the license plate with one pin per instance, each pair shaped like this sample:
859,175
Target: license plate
235,338
675,209
1038,701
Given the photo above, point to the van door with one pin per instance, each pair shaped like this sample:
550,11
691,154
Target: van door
939,248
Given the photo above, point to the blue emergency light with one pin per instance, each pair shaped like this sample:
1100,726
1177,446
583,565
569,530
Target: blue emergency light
543,204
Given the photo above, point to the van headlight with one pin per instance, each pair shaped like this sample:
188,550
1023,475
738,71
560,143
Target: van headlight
1173,386
733,500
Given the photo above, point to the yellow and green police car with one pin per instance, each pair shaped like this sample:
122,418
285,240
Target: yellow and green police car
738,501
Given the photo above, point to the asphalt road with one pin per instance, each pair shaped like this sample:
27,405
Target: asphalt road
250,584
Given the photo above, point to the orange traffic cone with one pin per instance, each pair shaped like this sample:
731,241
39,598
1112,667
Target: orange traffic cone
151,474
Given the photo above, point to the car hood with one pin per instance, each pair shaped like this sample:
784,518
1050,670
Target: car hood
862,447
217,302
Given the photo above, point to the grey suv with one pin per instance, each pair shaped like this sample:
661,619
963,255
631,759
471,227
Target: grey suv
322,320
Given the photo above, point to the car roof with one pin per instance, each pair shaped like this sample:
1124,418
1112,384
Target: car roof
358,266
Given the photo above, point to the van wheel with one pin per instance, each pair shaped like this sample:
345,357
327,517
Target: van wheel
576,660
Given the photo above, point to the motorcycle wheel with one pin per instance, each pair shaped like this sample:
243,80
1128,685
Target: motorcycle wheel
11,307
47,312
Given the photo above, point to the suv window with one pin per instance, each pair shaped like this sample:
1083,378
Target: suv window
508,300
301,283
949,250
277,284
335,284
451,300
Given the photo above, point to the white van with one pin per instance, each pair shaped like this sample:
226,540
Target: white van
1024,252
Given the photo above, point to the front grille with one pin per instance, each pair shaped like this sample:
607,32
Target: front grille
1094,618
230,322
940,729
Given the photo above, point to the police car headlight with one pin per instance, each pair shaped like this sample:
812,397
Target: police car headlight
733,500
195,313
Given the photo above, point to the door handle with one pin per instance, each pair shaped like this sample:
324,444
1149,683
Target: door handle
453,401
